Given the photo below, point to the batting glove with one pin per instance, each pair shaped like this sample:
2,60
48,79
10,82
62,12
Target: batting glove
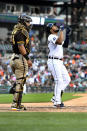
62,27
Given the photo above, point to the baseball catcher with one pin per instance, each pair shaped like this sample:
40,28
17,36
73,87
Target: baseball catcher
20,60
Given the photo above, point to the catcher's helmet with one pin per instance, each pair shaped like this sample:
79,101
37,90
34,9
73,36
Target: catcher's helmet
24,18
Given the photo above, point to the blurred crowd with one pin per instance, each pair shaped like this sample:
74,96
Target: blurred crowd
39,76
77,68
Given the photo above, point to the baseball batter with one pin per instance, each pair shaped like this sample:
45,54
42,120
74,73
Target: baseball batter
55,63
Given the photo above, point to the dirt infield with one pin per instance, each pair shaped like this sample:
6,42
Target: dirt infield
74,105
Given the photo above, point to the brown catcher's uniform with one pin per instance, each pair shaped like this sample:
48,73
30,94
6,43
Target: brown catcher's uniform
18,62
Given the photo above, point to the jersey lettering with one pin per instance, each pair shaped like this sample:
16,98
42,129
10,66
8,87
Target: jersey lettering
54,38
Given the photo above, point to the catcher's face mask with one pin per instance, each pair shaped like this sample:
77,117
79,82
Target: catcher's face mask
25,20
29,25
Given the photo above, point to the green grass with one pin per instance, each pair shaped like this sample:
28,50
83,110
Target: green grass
38,121
41,121
35,97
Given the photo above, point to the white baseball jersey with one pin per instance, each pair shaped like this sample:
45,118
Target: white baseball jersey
55,50
57,68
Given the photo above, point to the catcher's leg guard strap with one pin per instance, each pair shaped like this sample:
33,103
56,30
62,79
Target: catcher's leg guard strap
12,90
21,78
17,98
20,98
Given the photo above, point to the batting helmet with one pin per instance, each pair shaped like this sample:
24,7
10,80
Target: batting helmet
48,27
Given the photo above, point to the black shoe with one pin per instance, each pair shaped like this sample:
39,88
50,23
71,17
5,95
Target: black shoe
22,107
62,104
59,106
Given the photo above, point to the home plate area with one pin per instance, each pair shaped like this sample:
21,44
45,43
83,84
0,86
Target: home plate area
7,108
74,105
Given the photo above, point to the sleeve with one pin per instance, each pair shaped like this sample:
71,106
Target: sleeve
66,42
52,38
20,38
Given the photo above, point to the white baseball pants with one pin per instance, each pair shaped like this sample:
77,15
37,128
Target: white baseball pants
60,75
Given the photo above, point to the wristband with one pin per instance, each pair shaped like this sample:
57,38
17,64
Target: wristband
26,57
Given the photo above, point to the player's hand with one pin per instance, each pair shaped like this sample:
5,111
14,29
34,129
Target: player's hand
62,27
29,63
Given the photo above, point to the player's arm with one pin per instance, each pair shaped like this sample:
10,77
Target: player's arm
20,42
60,39
22,49
24,53
66,42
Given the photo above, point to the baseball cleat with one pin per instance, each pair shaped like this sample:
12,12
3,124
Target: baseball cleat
22,107
62,104
53,99
25,108
15,109
19,108
59,106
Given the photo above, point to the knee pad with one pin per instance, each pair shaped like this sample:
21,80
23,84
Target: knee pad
19,87
20,83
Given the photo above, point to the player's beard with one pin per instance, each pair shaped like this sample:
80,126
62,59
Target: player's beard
56,30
